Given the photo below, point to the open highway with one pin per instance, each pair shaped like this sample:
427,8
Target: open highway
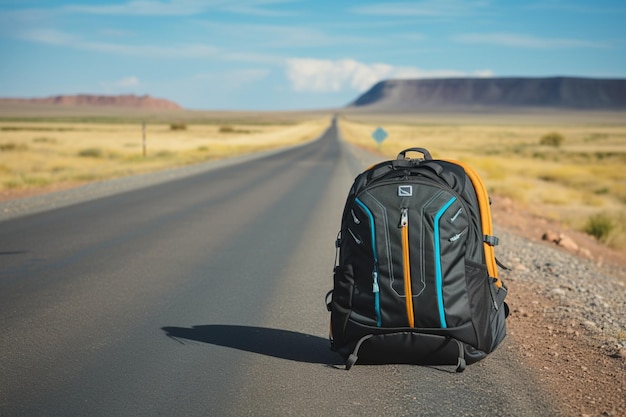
204,296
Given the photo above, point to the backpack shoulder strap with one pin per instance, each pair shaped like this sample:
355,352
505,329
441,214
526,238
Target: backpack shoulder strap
485,219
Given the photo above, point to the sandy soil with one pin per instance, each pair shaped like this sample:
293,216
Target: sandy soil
506,214
6,195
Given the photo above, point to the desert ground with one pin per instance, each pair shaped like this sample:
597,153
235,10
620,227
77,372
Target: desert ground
49,149
565,167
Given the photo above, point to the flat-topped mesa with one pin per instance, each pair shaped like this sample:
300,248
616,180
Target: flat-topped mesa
468,93
127,100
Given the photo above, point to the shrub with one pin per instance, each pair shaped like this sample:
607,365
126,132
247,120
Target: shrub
552,139
165,154
178,126
599,226
36,181
12,146
44,140
12,184
91,153
231,129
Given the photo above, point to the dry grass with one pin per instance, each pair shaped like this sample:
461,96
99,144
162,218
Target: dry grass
581,178
37,154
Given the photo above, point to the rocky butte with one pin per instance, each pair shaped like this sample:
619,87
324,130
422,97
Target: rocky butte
128,100
490,93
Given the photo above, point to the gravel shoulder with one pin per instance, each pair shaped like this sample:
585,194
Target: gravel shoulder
568,309
568,312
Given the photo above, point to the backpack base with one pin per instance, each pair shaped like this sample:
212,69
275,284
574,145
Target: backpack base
410,347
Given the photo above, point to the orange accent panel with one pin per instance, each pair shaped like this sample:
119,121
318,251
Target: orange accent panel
485,217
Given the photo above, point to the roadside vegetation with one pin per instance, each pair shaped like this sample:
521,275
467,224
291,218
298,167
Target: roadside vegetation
572,171
41,153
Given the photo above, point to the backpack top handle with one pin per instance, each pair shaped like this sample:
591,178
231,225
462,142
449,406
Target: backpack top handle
423,151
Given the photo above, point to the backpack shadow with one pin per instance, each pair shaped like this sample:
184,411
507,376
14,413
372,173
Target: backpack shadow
283,344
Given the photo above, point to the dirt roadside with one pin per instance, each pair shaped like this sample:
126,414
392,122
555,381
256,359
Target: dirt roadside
521,222
585,375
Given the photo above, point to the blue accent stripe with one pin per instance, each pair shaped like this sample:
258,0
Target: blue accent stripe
439,278
375,285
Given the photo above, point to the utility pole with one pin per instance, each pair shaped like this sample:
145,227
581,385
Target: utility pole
143,136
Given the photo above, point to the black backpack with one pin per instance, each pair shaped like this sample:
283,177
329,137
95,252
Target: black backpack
416,279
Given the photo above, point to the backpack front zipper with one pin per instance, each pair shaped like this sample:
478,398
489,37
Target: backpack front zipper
406,263
375,286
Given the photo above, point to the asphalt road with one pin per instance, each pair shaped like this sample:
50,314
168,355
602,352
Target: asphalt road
203,296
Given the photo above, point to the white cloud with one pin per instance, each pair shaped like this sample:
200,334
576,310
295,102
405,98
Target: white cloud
180,7
188,51
46,36
425,8
525,41
145,8
173,51
234,79
307,74
317,75
59,38
126,84
256,8
588,8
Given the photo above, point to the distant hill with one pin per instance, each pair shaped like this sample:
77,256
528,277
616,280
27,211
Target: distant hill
468,93
125,101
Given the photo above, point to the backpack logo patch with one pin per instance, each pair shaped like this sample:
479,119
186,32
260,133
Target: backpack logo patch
405,191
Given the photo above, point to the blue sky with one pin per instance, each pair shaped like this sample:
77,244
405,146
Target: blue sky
295,54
